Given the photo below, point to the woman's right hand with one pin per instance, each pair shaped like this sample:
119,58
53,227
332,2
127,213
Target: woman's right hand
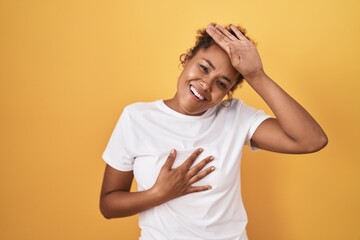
116,200
176,182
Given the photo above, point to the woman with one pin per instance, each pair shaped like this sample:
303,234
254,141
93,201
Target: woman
182,195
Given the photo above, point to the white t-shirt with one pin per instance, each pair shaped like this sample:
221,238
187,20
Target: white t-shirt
142,141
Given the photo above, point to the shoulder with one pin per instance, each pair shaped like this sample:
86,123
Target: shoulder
235,102
140,106
239,107
237,111
243,112
140,109
243,107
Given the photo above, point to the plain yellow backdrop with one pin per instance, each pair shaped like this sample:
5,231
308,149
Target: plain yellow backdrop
67,69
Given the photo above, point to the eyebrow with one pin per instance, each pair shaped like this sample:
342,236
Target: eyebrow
214,68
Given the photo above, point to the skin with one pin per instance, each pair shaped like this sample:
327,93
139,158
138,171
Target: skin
116,200
293,130
212,72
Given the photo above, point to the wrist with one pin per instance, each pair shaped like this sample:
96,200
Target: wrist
156,196
255,76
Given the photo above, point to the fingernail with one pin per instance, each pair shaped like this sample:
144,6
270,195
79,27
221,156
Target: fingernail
212,158
212,168
209,187
172,151
200,149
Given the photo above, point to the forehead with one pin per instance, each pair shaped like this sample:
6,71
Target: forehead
216,54
219,58
213,50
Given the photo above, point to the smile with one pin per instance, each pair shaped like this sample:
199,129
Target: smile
198,95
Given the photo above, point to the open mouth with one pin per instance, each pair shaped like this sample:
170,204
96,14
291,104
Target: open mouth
196,94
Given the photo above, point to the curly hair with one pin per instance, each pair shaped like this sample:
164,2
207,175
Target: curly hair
204,40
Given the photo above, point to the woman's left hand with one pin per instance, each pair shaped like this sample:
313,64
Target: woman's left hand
241,51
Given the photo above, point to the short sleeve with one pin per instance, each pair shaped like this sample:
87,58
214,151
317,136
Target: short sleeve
256,117
117,153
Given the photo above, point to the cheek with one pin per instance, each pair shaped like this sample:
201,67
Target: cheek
218,96
190,75
191,71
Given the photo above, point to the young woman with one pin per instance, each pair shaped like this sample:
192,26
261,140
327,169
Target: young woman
185,152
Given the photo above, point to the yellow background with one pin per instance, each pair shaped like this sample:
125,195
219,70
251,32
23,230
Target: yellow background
67,68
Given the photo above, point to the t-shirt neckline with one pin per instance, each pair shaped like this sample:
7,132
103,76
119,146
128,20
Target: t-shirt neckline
174,113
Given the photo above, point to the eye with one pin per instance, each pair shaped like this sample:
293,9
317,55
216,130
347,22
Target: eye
204,68
221,85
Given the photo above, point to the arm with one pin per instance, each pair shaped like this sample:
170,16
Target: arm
116,200
293,130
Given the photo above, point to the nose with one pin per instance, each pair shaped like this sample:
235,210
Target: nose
205,85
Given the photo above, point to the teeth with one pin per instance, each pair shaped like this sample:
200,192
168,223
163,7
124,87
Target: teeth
196,93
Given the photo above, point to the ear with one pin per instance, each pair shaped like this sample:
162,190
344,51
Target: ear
186,60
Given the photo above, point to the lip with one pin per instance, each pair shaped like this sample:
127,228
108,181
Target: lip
199,91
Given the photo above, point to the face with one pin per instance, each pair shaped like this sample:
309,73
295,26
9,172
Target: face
205,80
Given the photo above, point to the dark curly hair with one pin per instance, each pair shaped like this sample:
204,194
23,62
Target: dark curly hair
203,40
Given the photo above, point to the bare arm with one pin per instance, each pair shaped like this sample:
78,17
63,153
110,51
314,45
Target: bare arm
116,200
293,130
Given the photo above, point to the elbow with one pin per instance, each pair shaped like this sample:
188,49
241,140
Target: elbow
317,144
104,212
321,142
324,141
109,210
106,216
105,209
